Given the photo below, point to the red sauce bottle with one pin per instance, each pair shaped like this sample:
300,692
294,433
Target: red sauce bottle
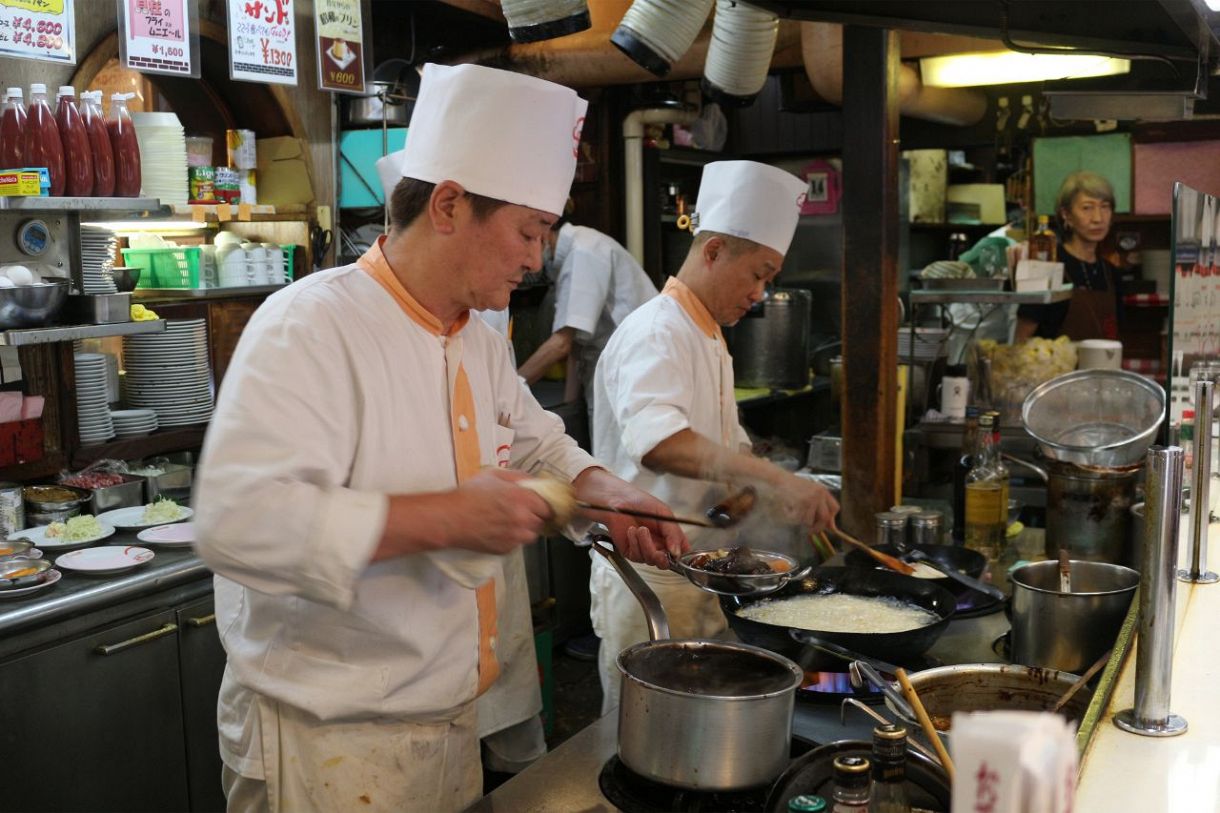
99,143
78,156
41,146
125,146
12,122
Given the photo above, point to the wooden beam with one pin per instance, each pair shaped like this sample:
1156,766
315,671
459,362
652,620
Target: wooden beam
870,274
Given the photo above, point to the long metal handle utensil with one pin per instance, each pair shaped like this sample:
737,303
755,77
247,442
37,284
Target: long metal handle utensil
891,692
957,575
911,742
810,639
632,512
654,612
1080,681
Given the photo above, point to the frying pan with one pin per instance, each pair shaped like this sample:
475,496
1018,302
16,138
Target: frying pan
899,647
966,560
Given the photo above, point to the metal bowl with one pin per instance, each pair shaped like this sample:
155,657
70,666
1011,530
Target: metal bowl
44,500
22,548
22,572
32,305
784,569
125,279
1105,418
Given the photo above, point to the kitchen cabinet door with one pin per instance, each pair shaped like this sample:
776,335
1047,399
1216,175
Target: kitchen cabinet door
202,663
95,723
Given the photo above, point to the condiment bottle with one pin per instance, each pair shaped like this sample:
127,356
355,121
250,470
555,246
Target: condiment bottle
99,143
889,793
125,146
987,495
78,155
41,146
12,123
1042,243
851,789
961,467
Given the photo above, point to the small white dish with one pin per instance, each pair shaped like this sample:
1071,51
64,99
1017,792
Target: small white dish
178,535
106,560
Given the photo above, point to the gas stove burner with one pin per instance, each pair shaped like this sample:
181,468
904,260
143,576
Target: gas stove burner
632,793
972,604
832,688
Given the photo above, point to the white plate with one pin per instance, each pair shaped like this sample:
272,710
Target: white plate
40,539
131,519
53,576
105,560
178,535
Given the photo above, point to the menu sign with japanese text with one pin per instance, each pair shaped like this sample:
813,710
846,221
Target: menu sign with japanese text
38,29
158,36
263,41
340,43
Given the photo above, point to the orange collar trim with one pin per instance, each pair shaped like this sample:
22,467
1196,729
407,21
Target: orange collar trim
693,306
374,262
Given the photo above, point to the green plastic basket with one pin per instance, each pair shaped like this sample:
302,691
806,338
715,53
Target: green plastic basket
181,267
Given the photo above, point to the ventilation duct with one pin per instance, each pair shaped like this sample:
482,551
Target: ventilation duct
534,20
656,33
739,55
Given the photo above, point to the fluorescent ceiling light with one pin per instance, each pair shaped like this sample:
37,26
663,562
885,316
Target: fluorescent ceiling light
1007,67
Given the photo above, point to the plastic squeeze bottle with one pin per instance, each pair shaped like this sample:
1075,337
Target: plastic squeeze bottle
41,146
12,122
99,143
78,155
125,146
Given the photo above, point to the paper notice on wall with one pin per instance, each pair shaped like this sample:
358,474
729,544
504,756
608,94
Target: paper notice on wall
263,41
339,37
38,29
159,36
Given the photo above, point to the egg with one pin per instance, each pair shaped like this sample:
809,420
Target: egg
5,282
19,274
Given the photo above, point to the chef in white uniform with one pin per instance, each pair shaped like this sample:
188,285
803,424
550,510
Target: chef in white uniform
349,498
597,284
665,417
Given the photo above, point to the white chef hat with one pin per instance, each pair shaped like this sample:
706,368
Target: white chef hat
499,134
389,170
747,199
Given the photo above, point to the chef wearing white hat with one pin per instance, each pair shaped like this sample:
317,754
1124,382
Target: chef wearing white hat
350,498
665,417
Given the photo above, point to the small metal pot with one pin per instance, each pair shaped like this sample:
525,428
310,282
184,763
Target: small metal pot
387,99
700,714
1068,631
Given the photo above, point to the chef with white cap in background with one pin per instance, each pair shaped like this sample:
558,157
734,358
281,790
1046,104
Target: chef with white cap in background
665,417
350,498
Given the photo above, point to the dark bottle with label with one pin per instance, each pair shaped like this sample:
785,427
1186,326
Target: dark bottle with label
960,468
889,793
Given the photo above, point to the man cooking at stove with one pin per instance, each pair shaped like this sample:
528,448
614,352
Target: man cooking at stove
348,496
665,417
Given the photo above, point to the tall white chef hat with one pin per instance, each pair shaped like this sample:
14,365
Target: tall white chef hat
747,199
499,134
389,170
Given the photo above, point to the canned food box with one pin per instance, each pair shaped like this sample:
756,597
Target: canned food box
242,152
203,184
20,182
227,185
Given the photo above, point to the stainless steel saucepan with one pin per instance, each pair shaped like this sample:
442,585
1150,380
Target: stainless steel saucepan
700,714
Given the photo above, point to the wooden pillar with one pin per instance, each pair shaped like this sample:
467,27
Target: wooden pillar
870,274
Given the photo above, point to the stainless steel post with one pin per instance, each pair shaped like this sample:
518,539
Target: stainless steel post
1151,716
1200,512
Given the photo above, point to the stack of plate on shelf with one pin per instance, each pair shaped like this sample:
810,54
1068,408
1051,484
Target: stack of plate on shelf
169,373
133,423
97,246
163,170
92,409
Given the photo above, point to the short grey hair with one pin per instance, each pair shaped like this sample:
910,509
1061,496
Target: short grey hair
1083,182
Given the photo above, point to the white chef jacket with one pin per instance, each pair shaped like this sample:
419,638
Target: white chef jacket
336,398
598,283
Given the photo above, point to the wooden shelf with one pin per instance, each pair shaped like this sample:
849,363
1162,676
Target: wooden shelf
159,442
49,466
240,213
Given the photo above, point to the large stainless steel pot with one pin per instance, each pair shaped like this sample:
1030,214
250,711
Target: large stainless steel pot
772,350
1068,631
388,100
1088,513
704,715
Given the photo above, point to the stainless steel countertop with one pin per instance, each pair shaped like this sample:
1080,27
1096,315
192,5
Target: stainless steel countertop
566,780
76,593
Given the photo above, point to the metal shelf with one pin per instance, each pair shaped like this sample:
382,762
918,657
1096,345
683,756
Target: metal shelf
160,294
124,206
18,337
923,297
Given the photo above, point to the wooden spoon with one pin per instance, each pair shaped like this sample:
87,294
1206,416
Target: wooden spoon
1080,681
885,559
925,721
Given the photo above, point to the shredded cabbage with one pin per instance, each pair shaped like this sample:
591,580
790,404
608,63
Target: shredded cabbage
76,529
161,511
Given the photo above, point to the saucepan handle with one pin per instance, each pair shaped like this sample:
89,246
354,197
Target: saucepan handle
658,624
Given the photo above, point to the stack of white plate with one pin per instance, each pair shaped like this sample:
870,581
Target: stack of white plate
97,247
169,373
133,423
92,411
163,170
